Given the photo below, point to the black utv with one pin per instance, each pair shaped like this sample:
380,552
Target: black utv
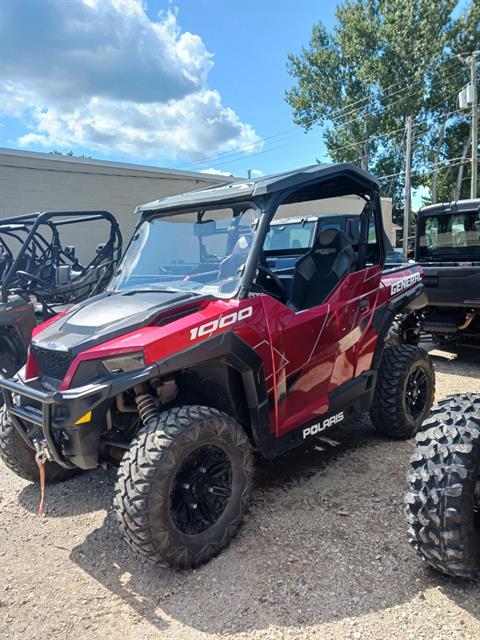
41,272
447,245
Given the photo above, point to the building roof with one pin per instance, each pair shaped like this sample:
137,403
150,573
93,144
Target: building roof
6,154
308,183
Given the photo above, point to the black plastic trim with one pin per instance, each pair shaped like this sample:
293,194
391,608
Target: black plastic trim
411,299
230,349
353,398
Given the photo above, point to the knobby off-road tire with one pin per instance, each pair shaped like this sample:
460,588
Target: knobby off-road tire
405,329
404,391
160,479
443,497
20,459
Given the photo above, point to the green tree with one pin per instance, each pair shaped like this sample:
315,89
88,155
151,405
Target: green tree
385,60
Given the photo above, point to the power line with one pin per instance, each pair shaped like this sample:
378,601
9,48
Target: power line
283,136
445,163
285,145
397,162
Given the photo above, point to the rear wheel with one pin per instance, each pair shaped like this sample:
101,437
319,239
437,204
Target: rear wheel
184,486
405,329
443,498
20,459
404,391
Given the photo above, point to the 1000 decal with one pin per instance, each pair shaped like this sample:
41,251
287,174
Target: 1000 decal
220,323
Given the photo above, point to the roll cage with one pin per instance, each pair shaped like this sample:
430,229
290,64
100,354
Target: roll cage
266,194
32,256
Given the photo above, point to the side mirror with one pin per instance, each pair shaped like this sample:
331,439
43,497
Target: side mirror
205,228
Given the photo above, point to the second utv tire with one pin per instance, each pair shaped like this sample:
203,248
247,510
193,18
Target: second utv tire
404,391
405,329
184,486
443,497
20,459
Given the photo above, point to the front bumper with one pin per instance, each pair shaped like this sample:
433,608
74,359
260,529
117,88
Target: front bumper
54,414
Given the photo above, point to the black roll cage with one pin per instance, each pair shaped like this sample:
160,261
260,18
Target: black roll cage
266,207
441,209
29,224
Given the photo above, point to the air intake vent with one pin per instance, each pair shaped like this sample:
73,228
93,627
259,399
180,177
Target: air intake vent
53,364
171,317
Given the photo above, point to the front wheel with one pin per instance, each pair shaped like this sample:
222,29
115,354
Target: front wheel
443,497
404,391
184,485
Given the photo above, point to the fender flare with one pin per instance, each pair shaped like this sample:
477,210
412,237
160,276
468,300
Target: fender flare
229,349
410,300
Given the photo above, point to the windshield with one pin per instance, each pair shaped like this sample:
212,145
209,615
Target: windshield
450,237
200,251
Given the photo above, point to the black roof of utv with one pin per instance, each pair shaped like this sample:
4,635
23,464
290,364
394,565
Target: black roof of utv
450,207
310,183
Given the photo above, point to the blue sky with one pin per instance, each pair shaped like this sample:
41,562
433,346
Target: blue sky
135,86
251,41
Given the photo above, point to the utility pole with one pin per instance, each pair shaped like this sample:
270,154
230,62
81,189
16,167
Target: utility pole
473,81
408,186
365,159
468,97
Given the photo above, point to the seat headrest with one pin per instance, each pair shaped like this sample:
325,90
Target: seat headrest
332,238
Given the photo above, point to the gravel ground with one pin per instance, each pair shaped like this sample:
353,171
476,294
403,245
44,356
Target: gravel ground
322,554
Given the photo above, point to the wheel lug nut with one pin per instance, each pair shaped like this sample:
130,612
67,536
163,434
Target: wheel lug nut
186,486
203,470
210,489
194,505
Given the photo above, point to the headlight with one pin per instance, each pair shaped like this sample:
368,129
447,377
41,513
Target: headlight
124,363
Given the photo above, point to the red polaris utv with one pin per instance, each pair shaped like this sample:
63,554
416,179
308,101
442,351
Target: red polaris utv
207,344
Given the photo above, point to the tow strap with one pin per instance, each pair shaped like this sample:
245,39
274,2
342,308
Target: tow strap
41,459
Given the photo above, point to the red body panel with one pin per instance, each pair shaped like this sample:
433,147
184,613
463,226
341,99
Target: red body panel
305,354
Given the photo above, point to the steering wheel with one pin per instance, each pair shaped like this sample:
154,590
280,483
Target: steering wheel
30,278
266,278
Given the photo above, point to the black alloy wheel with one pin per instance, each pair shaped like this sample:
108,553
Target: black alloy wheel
201,489
416,392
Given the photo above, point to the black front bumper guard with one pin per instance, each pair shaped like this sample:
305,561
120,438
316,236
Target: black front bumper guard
61,409
58,410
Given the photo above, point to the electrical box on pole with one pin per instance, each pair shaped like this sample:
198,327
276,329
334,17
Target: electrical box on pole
463,102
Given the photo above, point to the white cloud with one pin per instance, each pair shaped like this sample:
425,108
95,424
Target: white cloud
256,173
102,75
190,127
216,172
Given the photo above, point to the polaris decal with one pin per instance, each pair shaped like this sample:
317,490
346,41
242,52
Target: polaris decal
405,283
220,323
314,429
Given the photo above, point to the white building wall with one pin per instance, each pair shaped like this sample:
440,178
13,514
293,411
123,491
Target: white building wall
41,182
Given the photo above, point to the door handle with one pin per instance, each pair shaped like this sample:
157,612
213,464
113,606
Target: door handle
364,305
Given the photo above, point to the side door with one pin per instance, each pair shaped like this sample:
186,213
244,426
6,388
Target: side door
315,350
